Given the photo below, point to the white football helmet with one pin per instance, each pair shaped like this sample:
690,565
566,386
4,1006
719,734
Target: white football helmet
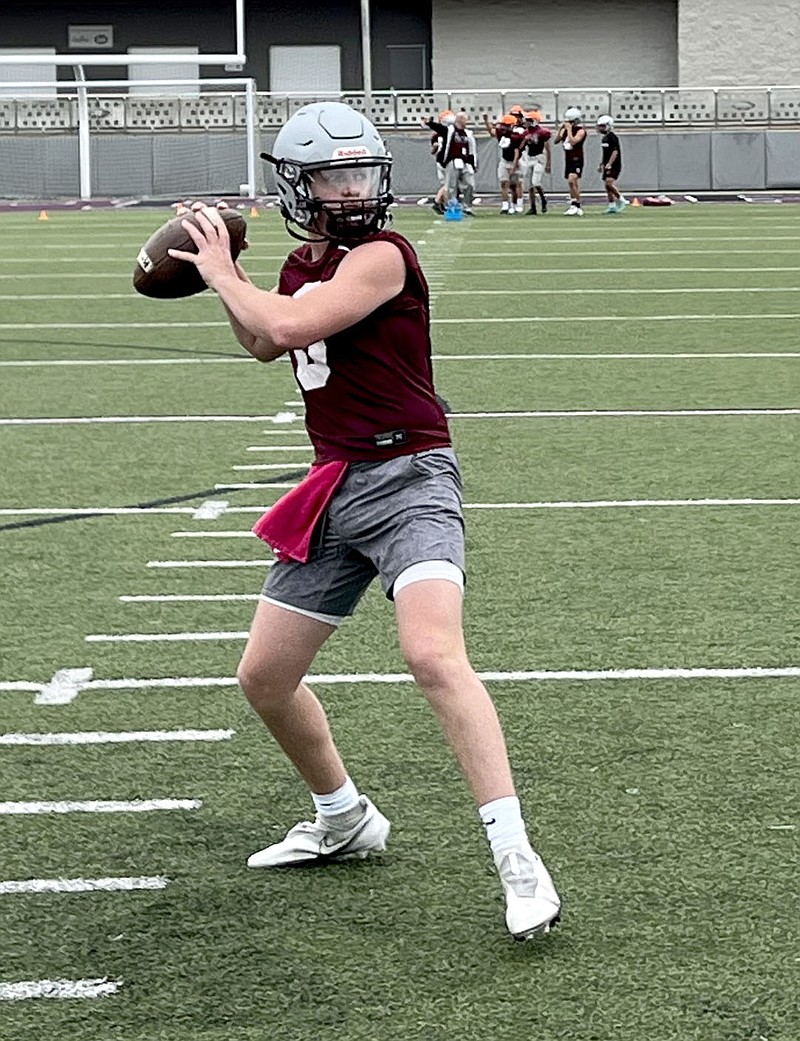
605,123
330,143
573,115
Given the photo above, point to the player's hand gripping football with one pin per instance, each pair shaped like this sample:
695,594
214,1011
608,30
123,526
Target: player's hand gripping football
213,257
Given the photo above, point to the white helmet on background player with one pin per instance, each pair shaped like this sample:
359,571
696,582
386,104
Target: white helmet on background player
573,115
331,142
605,123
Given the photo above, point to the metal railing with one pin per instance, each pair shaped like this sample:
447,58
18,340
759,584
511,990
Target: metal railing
218,110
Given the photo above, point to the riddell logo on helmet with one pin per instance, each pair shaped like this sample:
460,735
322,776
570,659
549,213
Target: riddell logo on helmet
350,153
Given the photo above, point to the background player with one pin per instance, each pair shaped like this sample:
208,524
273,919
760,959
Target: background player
535,159
572,135
611,164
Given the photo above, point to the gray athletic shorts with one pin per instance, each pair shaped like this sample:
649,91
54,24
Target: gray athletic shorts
383,518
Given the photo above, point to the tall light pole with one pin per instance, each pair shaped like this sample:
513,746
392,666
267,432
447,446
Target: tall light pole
366,54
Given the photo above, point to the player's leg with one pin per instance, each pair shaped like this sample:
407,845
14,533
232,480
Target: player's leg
281,647
429,619
468,188
503,181
292,622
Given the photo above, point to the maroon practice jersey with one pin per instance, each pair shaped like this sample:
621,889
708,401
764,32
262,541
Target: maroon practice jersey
368,390
535,138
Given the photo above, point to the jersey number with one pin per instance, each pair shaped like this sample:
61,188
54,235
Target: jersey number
312,370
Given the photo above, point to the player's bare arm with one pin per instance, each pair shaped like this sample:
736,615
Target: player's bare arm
370,275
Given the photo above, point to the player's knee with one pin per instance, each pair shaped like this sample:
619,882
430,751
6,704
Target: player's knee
432,664
263,683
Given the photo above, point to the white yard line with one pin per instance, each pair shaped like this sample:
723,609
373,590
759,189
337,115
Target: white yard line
627,413
618,318
738,316
48,511
62,989
40,363
528,356
82,885
243,533
102,737
515,292
641,356
545,675
188,598
269,466
166,637
258,484
99,806
540,414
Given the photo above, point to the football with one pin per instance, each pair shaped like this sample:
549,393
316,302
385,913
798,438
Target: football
159,275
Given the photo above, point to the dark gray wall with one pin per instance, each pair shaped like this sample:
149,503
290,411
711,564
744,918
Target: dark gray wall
177,166
210,25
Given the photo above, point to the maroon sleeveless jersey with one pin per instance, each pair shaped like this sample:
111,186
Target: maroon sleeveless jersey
368,390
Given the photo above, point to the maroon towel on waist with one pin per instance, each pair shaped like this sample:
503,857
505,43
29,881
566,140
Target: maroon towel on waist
289,525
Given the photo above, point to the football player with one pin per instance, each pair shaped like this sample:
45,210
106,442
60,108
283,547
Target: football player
572,135
535,159
382,499
611,164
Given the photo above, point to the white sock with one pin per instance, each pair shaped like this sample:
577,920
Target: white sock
505,828
340,801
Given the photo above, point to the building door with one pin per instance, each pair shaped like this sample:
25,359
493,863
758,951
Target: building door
408,66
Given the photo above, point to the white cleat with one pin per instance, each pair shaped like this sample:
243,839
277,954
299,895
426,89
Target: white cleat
532,903
571,211
319,840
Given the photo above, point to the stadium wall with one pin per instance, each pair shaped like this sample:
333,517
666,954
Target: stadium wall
176,166
738,42
555,43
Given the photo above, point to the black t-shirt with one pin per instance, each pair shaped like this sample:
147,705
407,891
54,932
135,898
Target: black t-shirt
610,144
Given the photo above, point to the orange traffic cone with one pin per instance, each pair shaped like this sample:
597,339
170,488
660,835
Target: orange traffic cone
43,215
254,211
635,202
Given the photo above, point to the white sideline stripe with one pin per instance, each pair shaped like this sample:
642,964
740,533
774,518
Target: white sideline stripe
100,737
173,598
165,637
64,687
83,885
26,989
577,675
210,563
280,448
99,806
534,253
246,534
575,504
738,316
